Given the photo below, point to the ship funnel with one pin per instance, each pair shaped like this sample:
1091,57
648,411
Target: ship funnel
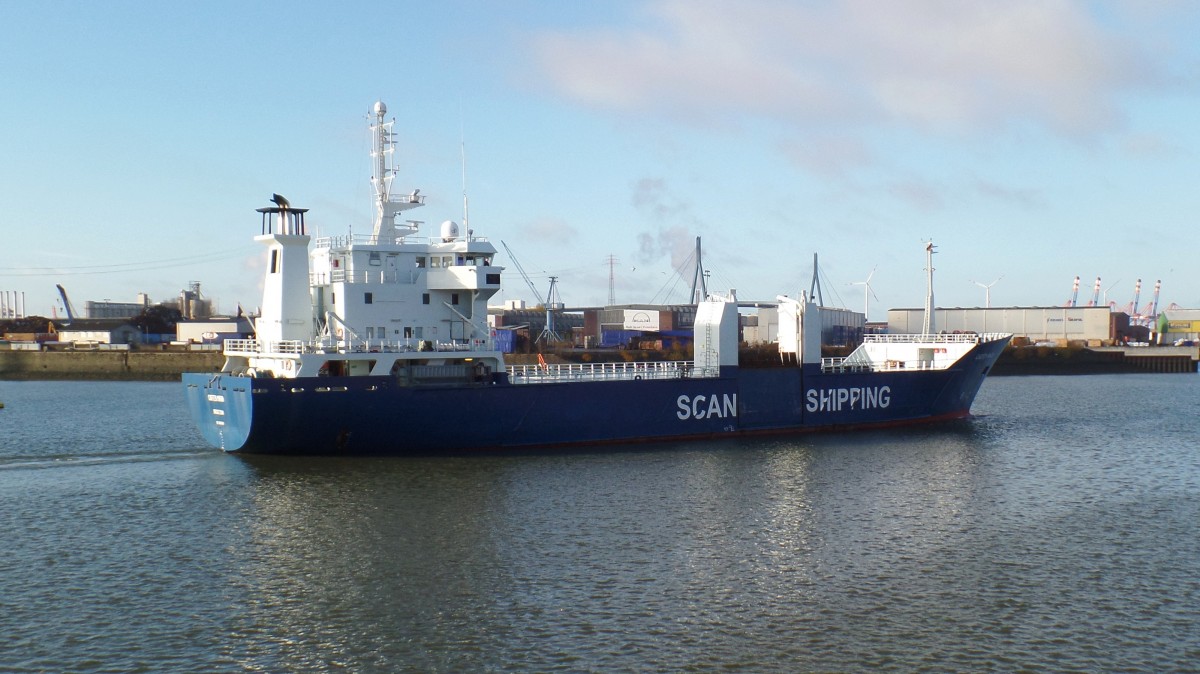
287,304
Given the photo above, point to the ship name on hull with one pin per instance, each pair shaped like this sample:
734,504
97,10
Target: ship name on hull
848,398
706,407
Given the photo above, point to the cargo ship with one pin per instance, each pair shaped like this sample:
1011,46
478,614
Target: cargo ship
378,344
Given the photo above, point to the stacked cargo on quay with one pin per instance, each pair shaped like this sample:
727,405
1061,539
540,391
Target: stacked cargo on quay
379,344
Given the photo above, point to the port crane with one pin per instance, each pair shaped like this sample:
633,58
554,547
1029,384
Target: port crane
66,304
1074,293
1095,301
1132,307
548,334
1148,314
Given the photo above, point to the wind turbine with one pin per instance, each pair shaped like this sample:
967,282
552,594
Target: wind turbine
868,293
987,291
1110,287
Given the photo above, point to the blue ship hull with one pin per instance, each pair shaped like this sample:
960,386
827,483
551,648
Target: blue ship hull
368,415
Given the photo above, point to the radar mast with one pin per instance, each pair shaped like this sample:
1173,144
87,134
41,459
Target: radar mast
387,207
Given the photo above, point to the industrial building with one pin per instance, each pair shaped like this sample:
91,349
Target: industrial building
106,309
213,330
1179,325
839,327
591,327
99,331
618,326
1094,326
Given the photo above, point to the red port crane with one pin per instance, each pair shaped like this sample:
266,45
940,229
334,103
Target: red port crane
1095,301
1074,294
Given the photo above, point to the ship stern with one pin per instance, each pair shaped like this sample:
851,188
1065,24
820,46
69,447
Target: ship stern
221,407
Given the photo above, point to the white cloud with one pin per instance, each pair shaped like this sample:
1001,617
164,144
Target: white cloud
555,231
921,196
957,65
831,156
1025,198
1150,146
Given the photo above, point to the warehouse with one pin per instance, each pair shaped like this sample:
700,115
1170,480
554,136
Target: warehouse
1092,325
1179,325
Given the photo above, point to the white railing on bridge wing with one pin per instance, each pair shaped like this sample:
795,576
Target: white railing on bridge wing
256,347
290,346
561,372
370,276
372,240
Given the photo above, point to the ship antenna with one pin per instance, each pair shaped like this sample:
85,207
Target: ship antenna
929,326
463,144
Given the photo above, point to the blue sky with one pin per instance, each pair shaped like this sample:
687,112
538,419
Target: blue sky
1032,140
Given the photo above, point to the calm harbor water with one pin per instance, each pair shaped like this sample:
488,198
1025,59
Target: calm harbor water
1056,531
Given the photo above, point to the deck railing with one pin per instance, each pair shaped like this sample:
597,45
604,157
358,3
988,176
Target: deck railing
862,361
845,365
562,372
942,338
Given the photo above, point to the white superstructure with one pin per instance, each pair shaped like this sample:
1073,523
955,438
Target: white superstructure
396,295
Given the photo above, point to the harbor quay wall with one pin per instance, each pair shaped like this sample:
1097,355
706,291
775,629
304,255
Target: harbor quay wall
1033,360
130,365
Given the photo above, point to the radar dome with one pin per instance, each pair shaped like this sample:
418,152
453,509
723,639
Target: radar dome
449,230
380,108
